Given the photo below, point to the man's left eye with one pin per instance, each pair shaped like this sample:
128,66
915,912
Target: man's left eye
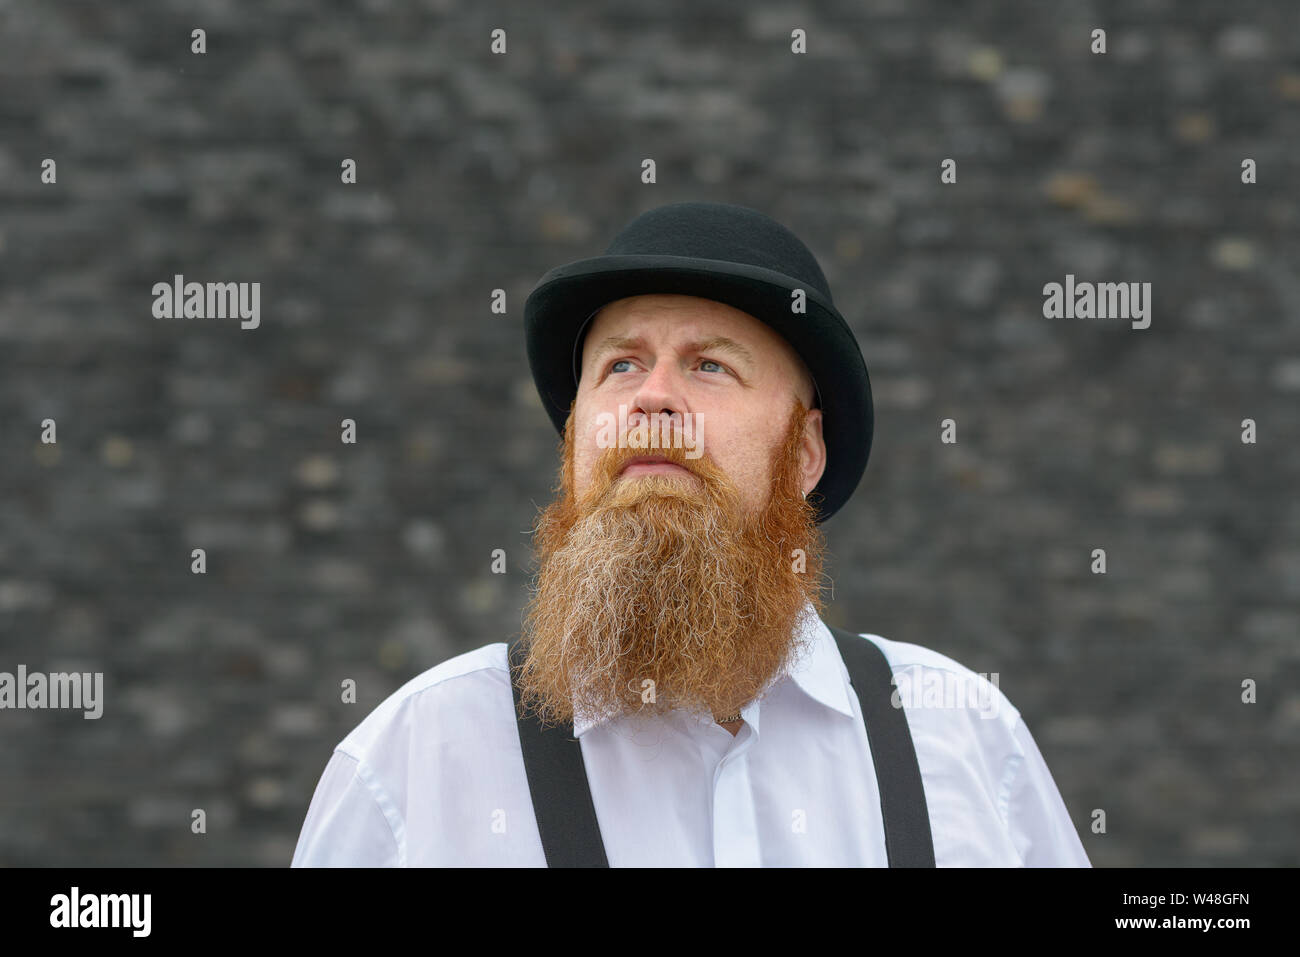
721,367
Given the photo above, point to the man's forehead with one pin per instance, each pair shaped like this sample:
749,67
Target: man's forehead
690,316
684,319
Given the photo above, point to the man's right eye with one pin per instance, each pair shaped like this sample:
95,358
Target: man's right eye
617,362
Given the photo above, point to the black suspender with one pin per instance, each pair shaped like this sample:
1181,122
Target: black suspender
557,779
566,817
902,797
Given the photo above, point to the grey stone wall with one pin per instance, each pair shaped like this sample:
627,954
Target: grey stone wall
477,171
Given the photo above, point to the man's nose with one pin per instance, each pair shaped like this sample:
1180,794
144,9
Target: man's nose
661,392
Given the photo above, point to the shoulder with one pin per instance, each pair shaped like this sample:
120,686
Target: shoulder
903,654
926,679
990,794
458,693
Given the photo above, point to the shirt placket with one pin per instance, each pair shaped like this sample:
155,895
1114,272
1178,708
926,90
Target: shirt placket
735,824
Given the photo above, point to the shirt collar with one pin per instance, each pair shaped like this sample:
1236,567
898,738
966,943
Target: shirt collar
819,672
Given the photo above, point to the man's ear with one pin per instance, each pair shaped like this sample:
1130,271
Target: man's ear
812,451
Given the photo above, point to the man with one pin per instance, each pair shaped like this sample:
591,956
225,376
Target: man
681,702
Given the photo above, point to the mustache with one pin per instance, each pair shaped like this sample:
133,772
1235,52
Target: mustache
612,461
613,464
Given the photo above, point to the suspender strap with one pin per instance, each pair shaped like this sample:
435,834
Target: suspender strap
557,779
902,797
566,817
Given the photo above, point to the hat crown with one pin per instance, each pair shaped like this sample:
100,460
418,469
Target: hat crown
720,231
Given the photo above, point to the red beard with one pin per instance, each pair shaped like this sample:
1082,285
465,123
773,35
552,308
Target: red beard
658,592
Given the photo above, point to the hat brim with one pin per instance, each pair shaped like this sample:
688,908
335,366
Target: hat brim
558,307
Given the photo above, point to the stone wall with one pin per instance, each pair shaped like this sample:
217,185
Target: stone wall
475,172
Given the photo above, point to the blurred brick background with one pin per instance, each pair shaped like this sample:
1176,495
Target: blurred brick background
477,171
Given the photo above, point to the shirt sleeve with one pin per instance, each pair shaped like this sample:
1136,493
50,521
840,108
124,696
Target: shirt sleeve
1040,825
350,822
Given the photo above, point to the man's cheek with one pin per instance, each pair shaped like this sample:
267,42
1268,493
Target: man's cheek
583,467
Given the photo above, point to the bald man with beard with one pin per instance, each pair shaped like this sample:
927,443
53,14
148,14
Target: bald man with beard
674,698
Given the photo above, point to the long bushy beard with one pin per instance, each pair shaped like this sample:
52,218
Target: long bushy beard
657,592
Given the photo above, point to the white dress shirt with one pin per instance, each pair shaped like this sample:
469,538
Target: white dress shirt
434,775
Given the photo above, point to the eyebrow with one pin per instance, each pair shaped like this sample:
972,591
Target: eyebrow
711,344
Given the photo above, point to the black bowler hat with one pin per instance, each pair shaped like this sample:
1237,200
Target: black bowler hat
734,255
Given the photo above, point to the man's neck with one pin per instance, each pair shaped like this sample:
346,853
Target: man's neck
733,726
